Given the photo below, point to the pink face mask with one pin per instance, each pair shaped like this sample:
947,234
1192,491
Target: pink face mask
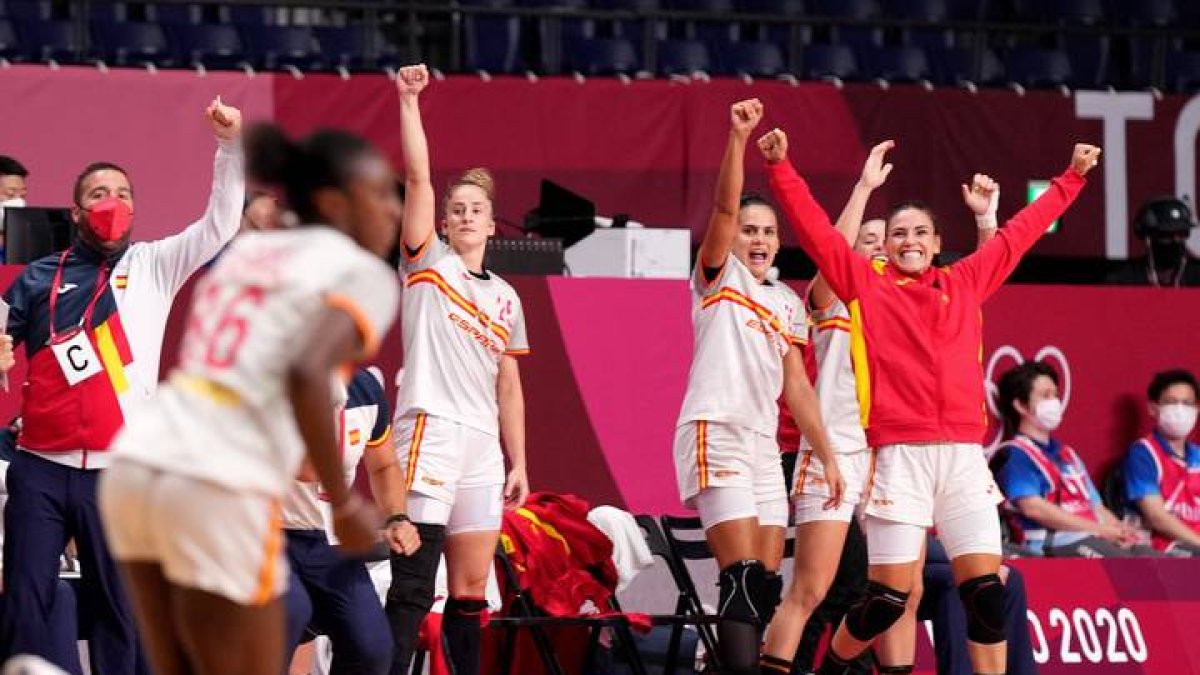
109,219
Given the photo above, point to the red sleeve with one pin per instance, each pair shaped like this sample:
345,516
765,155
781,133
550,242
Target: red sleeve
836,260
989,266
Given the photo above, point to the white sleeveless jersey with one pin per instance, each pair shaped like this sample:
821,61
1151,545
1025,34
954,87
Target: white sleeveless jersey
225,415
456,328
835,380
742,330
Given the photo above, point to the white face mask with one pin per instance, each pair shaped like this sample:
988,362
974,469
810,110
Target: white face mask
1048,414
1177,420
15,201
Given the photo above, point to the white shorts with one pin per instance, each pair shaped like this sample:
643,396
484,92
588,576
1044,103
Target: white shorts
443,459
716,455
890,542
475,509
938,484
811,491
203,535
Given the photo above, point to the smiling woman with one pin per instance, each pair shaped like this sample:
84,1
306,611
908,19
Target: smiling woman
916,336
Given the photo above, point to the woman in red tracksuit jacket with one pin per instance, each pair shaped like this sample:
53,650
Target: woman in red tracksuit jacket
916,341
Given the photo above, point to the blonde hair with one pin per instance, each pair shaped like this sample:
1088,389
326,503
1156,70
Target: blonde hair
477,177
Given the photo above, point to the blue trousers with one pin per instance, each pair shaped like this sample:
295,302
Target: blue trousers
48,504
333,595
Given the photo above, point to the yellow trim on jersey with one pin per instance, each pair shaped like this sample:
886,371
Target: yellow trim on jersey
214,391
111,358
858,357
274,544
378,442
731,295
834,323
516,352
432,277
702,452
366,329
414,450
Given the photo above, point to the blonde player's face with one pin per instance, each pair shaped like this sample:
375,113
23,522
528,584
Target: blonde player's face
869,243
911,241
375,208
757,239
1043,388
469,220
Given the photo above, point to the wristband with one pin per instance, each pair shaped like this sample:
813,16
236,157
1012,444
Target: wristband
396,519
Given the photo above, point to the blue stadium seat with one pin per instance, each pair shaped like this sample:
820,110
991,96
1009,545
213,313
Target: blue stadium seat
898,64
603,56
1073,12
493,43
1145,12
174,14
132,44
249,16
1089,55
1183,72
779,32
853,10
756,59
957,65
277,47
1039,67
355,47
106,11
30,10
59,41
824,61
211,45
10,46
966,10
933,12
683,57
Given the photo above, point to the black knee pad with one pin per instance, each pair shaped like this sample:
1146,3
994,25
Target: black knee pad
413,576
875,612
465,607
983,598
742,587
772,594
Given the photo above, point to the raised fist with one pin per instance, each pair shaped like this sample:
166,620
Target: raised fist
411,80
774,145
1084,158
745,115
226,120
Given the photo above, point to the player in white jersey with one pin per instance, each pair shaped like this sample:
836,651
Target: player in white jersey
460,396
331,593
191,504
747,333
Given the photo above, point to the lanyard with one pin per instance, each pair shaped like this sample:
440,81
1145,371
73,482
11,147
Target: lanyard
101,280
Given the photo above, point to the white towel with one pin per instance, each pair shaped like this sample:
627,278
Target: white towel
630,555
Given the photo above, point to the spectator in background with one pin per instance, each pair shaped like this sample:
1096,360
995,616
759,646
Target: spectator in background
12,181
1054,507
1164,225
1162,470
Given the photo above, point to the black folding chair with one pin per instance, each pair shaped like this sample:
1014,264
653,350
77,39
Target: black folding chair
677,545
527,616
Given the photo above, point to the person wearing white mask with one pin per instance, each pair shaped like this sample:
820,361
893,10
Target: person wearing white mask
1053,506
1162,470
12,189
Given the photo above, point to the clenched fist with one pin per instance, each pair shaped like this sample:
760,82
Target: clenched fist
774,145
980,197
1084,158
226,120
745,115
411,80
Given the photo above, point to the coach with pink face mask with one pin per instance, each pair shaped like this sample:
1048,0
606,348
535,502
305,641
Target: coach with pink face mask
92,320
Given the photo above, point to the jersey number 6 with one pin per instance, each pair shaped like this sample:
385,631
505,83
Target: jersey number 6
219,323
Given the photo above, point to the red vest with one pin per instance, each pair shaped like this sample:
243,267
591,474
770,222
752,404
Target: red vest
1067,491
1180,488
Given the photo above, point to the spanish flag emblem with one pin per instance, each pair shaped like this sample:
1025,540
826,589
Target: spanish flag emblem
114,351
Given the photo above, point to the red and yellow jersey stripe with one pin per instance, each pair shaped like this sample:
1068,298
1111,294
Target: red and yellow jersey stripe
114,351
858,358
730,295
834,323
432,277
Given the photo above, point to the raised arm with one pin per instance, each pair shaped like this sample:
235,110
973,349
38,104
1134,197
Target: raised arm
420,208
177,257
837,261
722,225
989,266
874,174
983,199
